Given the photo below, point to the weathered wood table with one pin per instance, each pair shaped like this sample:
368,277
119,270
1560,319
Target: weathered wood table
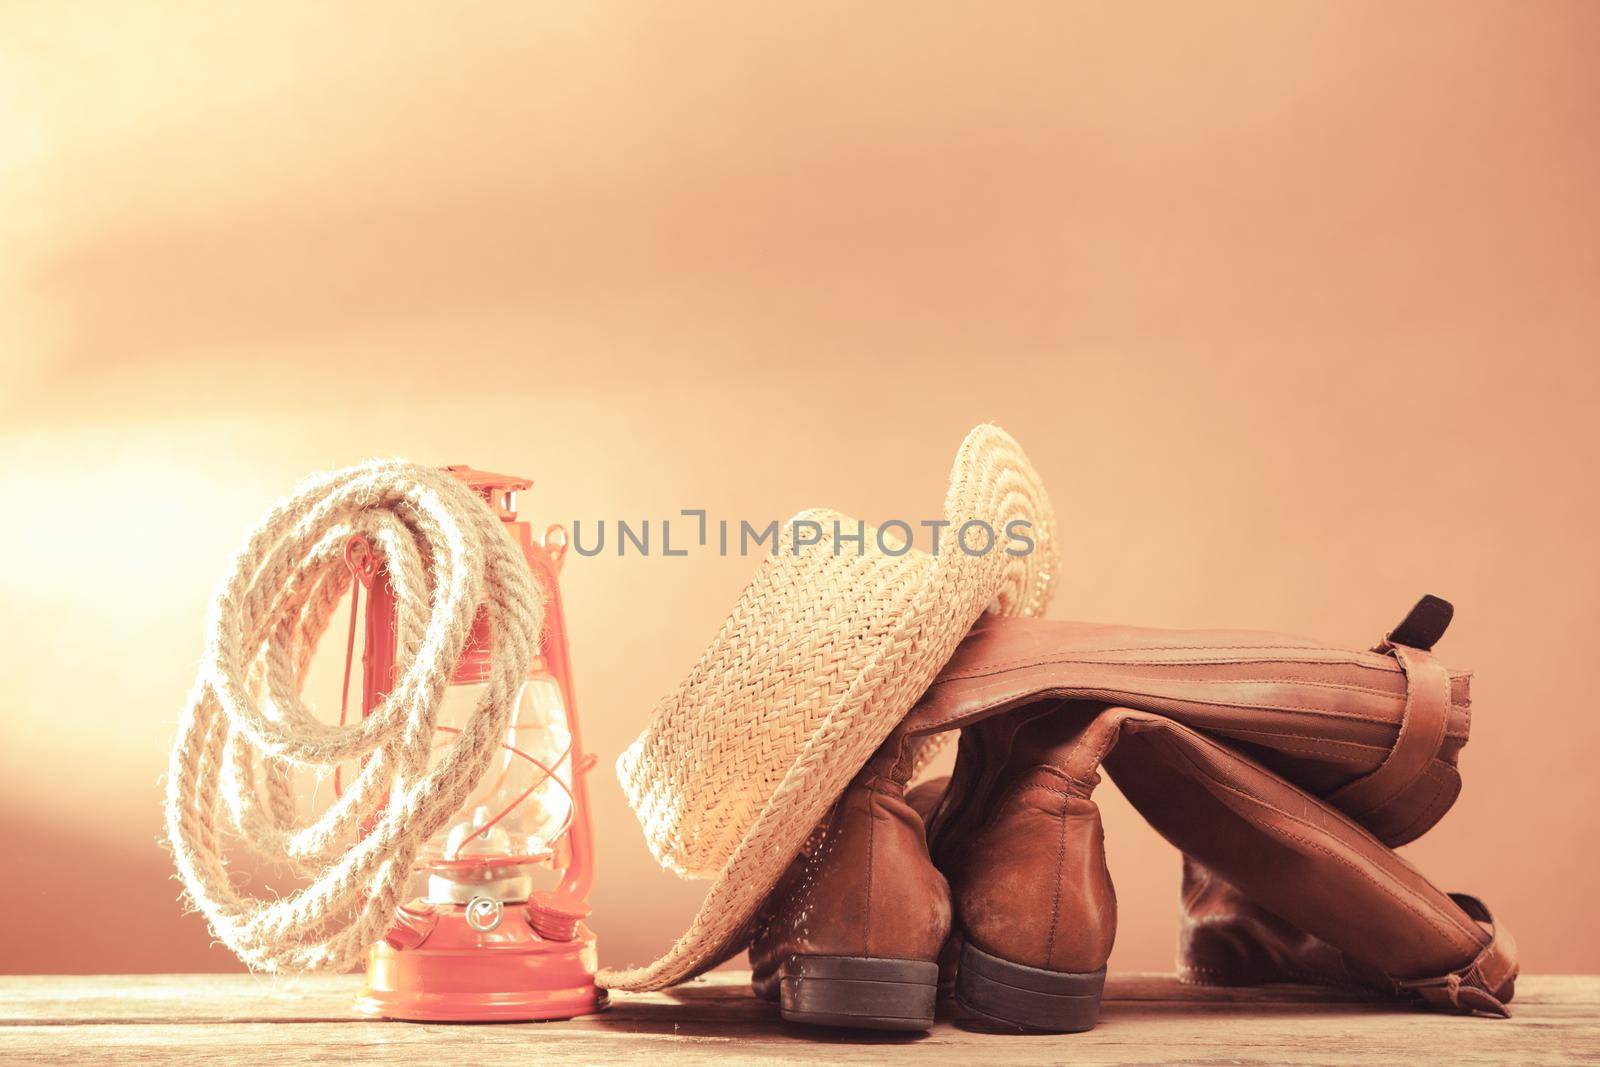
1146,1019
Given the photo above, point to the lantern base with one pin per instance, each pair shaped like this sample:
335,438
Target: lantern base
436,965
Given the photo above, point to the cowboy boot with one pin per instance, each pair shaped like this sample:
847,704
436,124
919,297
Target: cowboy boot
1227,939
1021,843
851,934
1283,765
1375,733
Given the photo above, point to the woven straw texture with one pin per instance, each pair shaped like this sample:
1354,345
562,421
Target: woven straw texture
824,653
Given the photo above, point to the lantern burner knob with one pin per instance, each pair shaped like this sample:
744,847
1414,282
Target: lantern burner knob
484,913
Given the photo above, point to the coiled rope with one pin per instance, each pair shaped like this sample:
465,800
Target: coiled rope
445,553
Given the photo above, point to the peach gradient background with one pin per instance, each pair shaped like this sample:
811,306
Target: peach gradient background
1296,307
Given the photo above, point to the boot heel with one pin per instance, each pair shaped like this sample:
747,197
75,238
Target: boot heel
859,991
1009,995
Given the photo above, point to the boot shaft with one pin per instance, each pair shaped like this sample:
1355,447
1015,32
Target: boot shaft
860,911
1021,842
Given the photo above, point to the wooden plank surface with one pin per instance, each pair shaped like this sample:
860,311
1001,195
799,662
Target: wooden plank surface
1146,1019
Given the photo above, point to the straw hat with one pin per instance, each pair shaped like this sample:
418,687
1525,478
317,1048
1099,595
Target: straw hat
823,655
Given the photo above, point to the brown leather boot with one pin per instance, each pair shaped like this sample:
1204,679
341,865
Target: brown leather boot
852,932
1022,846
1289,769
1227,939
1041,705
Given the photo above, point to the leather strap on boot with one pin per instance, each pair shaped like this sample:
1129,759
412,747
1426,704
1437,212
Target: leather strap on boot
1477,987
1422,723
1422,726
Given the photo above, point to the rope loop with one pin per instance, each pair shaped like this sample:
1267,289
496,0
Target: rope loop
246,727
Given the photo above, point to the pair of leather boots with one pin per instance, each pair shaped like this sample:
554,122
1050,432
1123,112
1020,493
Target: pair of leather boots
1284,770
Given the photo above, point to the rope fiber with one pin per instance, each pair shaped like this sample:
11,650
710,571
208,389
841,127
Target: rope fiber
246,728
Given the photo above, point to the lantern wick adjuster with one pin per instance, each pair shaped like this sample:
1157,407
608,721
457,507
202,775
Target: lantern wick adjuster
484,913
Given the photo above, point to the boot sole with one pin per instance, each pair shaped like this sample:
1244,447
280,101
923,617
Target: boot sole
1011,996
858,991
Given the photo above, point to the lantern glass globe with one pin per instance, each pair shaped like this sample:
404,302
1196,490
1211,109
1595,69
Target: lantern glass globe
523,805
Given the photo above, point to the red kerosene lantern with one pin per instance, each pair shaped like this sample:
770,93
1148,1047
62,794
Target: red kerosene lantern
496,931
